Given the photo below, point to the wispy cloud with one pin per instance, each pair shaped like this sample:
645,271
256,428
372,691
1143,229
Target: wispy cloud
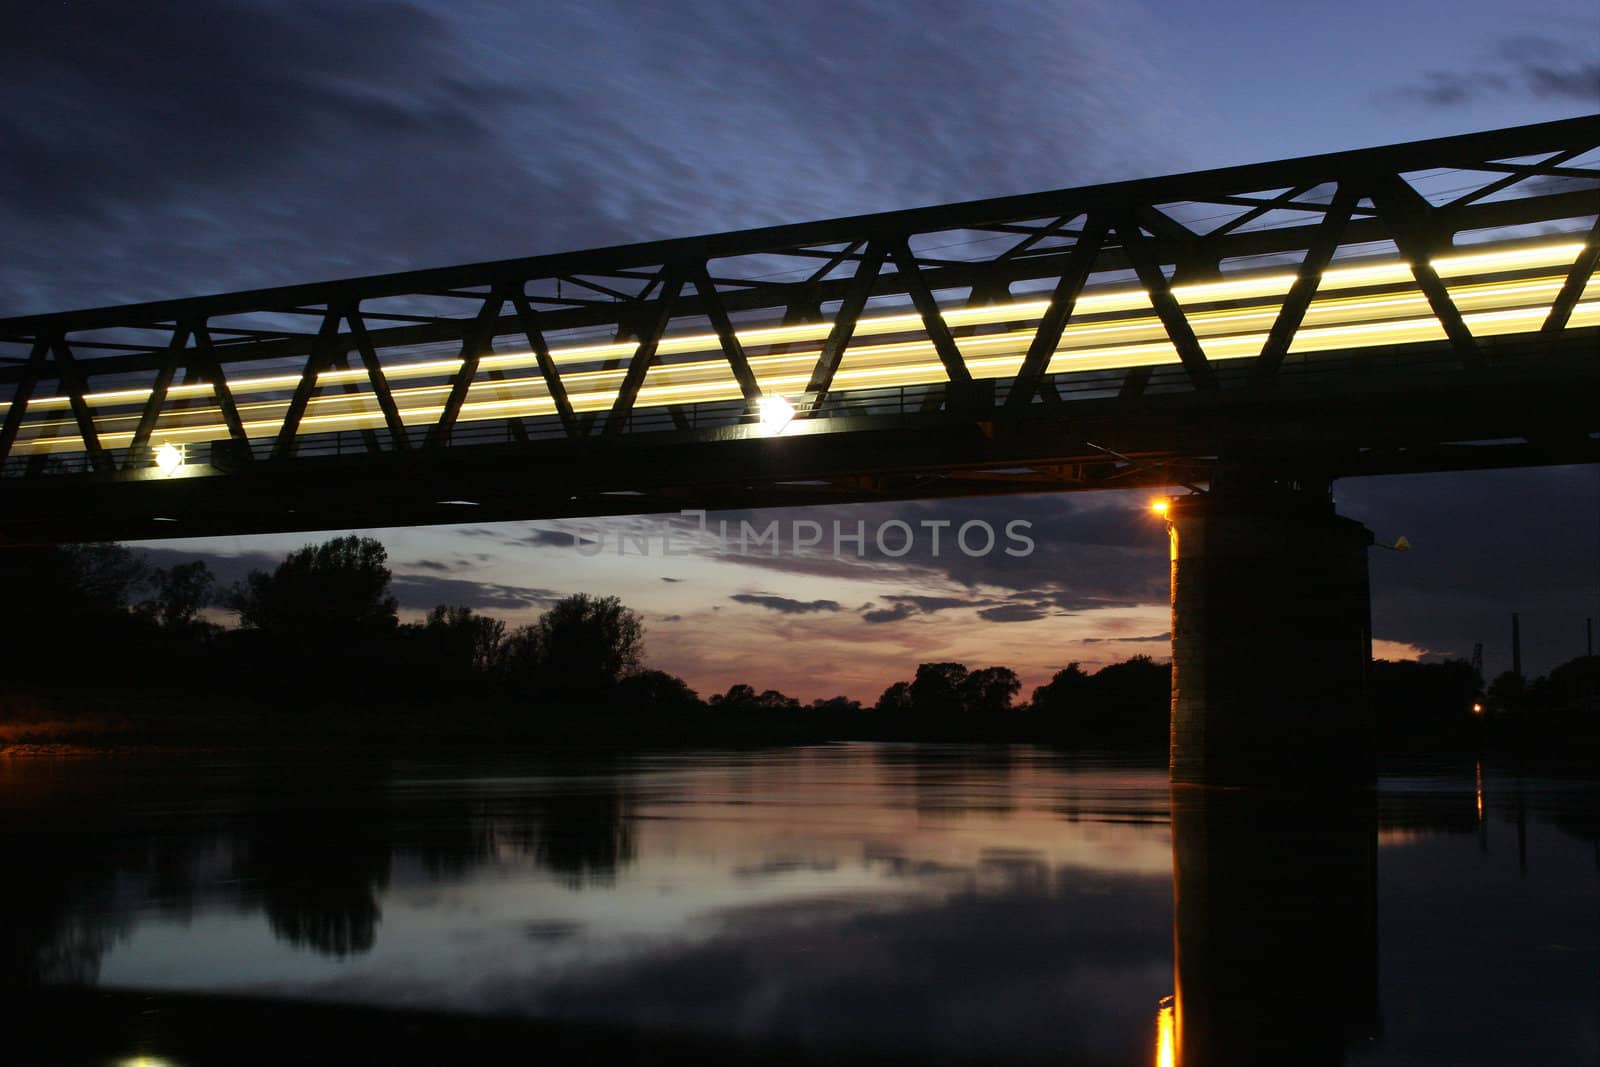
786,605
1523,64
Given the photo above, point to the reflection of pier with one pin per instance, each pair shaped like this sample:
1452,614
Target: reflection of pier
1275,934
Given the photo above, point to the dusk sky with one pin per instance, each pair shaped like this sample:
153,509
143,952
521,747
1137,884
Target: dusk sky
151,151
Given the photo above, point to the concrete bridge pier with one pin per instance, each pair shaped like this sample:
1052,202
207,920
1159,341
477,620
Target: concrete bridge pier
1271,637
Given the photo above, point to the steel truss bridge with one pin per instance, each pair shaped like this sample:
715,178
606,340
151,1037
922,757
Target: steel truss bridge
1420,307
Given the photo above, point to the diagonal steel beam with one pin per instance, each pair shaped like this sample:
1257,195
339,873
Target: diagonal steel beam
77,385
1577,279
645,354
479,337
532,329
1281,200
322,355
1035,237
158,397
731,348
1412,223
375,375
1080,264
1293,310
20,397
938,332
1514,174
211,372
1166,305
844,323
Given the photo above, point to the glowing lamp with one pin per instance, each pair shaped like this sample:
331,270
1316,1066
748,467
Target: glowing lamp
169,457
776,413
1477,709
1160,507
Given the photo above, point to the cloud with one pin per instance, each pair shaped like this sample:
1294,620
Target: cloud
1546,68
784,604
1126,640
333,139
894,614
420,591
1013,613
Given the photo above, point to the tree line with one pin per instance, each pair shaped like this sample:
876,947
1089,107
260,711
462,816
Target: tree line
323,625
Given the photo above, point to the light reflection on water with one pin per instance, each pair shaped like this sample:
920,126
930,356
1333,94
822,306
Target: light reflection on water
1006,900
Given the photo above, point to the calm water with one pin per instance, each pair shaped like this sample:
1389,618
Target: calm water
998,902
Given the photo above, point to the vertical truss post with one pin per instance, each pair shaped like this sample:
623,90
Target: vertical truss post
20,397
645,354
844,323
1293,310
531,327
938,332
1080,263
375,375
1166,305
1413,223
479,336
158,396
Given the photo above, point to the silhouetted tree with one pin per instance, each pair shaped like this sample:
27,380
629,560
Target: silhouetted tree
937,689
1066,693
1422,700
894,700
63,600
1508,693
836,705
989,691
182,591
577,651
744,698
454,645
340,587
1134,700
655,691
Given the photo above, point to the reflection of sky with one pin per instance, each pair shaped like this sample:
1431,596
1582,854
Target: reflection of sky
766,894
755,836
983,898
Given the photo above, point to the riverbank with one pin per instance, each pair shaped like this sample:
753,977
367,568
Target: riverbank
88,722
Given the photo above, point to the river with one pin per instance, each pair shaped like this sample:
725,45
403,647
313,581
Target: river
979,904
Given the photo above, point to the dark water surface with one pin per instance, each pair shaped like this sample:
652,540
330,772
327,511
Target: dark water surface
987,903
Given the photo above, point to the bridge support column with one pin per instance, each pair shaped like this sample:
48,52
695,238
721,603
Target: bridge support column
1271,637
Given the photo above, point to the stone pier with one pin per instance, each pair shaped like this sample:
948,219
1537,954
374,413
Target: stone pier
1271,637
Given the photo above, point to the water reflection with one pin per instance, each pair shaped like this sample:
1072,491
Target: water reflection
1275,925
929,902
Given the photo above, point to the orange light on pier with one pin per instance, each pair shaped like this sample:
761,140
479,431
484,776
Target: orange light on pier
1166,1038
1161,507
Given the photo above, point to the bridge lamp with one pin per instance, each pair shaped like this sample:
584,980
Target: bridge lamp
775,412
169,457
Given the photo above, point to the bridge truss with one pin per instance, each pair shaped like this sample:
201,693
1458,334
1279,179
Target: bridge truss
1426,306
